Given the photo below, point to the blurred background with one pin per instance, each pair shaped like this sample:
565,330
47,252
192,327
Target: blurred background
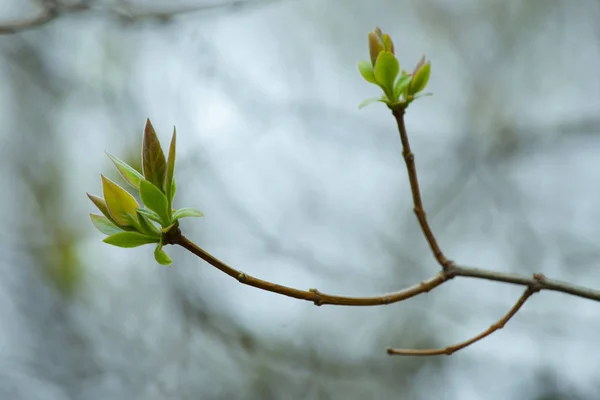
301,188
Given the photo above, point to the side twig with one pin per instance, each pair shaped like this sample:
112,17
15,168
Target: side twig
459,346
537,281
313,295
419,210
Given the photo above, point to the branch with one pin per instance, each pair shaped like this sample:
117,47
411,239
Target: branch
52,9
48,13
459,346
317,297
419,210
536,283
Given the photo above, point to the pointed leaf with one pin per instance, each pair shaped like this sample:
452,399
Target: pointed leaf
170,167
100,203
146,226
402,85
173,190
127,172
366,70
420,79
187,212
130,239
153,158
369,101
121,205
104,225
161,257
386,71
155,200
149,214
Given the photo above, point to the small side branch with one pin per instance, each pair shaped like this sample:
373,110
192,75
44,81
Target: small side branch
452,349
419,210
313,295
48,13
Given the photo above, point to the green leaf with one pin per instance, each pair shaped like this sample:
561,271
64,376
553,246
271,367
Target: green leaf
174,190
130,239
127,172
121,205
402,85
101,204
146,226
187,212
366,70
369,101
170,168
104,225
386,71
149,214
155,200
420,79
153,158
161,257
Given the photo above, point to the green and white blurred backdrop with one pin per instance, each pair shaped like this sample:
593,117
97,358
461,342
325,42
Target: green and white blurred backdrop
300,187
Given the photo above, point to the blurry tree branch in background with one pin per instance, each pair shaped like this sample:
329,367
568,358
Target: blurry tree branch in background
53,9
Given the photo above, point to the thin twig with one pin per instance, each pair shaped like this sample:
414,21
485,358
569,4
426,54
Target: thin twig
313,295
419,210
48,13
537,281
52,9
459,346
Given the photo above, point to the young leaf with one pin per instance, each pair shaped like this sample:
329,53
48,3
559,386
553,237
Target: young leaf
121,205
401,85
130,239
420,79
173,190
155,200
161,257
187,212
170,168
146,226
127,172
386,71
104,225
366,70
149,214
369,101
101,204
153,158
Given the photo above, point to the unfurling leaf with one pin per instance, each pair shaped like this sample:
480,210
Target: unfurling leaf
155,200
170,169
146,226
127,172
401,85
420,77
130,239
121,205
153,158
104,225
187,212
161,257
366,70
369,101
149,214
386,71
